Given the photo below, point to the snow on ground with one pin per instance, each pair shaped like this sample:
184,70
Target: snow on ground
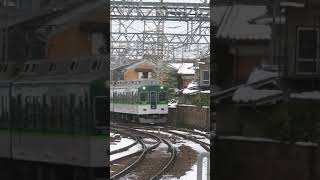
123,143
192,85
247,94
203,132
132,150
156,132
173,103
180,132
259,75
315,95
191,174
207,91
149,140
189,91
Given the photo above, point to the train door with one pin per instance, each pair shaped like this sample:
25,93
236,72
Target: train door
153,99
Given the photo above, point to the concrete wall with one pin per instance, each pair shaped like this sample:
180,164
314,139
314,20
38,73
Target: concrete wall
190,116
252,160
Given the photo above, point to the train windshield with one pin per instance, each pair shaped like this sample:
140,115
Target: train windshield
162,96
144,96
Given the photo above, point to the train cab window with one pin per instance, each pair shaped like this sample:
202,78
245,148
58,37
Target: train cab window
144,96
162,96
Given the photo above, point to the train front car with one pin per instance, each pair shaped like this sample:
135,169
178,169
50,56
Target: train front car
153,104
143,101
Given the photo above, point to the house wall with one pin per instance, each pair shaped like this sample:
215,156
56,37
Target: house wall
69,43
131,75
74,42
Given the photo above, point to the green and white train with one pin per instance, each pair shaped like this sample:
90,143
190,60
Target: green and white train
143,101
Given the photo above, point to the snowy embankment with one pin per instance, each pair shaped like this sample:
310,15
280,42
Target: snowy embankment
123,142
132,150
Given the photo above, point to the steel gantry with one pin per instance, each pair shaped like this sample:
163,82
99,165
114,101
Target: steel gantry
129,42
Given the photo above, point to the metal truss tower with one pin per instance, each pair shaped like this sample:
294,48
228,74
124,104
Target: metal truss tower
129,44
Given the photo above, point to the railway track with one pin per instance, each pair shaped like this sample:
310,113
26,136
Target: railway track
144,154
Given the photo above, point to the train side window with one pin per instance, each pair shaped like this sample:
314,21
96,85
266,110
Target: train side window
128,98
162,96
26,68
115,97
144,96
52,67
132,98
33,67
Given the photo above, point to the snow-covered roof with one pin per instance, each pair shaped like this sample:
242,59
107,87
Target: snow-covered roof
183,68
234,22
291,4
260,75
248,94
192,85
313,95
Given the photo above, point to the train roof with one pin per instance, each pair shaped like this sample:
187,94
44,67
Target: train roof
73,70
134,83
59,79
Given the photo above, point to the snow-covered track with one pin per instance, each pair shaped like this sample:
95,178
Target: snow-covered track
206,146
167,164
170,162
133,165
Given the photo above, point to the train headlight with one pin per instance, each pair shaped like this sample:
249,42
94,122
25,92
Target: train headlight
161,87
144,88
